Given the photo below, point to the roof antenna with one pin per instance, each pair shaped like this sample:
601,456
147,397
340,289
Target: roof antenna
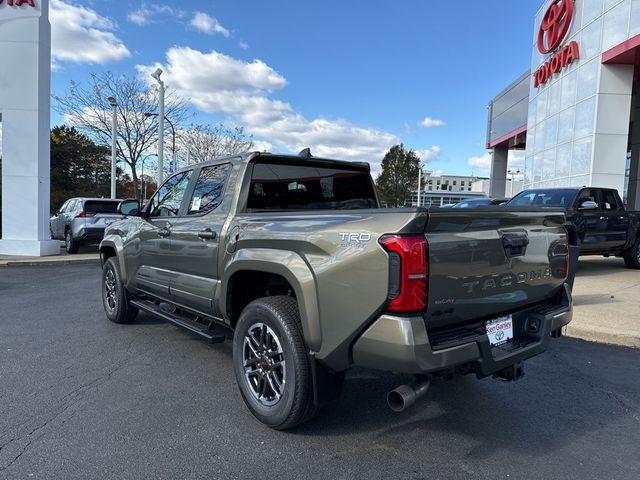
306,153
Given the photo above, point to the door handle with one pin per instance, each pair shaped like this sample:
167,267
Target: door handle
207,234
165,231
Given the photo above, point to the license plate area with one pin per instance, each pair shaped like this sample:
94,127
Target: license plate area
499,330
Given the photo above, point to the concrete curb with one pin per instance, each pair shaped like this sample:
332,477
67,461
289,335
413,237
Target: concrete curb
49,261
598,336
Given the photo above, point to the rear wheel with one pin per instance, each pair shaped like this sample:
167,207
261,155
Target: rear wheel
632,256
115,298
271,363
69,243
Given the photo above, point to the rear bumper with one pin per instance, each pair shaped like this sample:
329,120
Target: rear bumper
90,235
401,345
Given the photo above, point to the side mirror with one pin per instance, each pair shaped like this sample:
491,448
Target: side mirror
129,208
589,205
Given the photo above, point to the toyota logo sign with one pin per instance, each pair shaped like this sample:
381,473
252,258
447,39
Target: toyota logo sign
555,25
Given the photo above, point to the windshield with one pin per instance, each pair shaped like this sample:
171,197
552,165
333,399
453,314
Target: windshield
554,197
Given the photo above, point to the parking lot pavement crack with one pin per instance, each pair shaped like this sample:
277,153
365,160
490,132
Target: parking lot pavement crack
67,402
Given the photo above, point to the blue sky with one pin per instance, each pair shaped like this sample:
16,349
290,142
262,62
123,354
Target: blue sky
348,79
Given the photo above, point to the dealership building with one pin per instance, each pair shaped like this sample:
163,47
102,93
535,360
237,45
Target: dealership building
576,112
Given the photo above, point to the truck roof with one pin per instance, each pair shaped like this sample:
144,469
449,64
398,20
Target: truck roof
281,158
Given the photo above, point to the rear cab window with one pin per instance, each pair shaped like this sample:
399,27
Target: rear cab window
98,206
308,185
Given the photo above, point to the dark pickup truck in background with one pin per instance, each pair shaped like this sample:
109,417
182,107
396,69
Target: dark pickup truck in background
598,221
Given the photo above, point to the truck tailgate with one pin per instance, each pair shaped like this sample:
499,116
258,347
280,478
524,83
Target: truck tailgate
487,262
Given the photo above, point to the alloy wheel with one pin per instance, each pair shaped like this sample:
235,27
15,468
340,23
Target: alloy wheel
264,364
110,290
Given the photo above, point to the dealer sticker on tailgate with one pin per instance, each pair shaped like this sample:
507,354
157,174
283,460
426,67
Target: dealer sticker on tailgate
499,330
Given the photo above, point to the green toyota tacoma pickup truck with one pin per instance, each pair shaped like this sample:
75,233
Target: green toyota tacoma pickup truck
294,256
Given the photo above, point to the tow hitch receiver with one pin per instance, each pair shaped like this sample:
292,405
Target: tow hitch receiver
511,373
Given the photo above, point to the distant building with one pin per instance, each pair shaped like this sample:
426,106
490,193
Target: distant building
449,183
441,190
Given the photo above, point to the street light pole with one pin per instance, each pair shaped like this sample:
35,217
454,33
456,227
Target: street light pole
419,184
114,141
156,76
173,132
143,190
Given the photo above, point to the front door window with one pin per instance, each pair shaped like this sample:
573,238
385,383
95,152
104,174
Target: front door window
167,201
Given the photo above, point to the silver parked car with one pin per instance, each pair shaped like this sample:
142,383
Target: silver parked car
83,220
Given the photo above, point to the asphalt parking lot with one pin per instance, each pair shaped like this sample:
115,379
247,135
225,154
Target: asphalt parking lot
83,398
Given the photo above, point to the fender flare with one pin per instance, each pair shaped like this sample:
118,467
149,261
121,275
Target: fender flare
295,270
114,242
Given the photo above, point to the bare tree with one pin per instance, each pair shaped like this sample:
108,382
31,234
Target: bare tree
87,107
204,142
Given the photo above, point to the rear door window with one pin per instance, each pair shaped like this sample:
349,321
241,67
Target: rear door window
207,194
309,186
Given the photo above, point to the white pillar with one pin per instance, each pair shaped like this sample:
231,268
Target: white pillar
498,172
25,90
611,133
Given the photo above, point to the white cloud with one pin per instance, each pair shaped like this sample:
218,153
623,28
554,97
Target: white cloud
80,35
217,83
429,154
207,24
429,122
482,163
150,12
243,45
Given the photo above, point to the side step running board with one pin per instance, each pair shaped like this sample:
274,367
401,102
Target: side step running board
207,333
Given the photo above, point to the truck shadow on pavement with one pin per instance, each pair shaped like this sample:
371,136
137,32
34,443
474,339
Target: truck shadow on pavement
559,399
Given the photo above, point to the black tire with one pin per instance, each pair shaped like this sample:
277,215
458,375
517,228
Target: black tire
632,256
115,298
69,243
267,326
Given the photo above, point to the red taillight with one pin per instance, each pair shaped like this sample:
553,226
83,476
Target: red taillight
409,272
84,214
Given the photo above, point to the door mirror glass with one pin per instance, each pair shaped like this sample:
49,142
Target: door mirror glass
589,205
129,207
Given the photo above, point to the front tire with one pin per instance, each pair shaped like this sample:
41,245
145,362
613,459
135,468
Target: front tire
69,243
632,256
272,364
115,298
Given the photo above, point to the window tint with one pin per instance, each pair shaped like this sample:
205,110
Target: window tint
609,201
544,198
100,207
64,206
166,202
307,186
207,195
